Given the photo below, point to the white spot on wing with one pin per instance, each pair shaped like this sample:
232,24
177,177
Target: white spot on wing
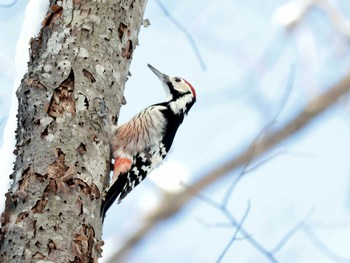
136,171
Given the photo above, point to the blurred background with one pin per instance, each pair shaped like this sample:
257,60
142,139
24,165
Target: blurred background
260,169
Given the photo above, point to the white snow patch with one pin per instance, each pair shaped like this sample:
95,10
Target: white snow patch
291,12
170,176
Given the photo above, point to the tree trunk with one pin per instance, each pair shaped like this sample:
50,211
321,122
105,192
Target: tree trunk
83,52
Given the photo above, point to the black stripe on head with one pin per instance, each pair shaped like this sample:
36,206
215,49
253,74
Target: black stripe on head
189,105
175,94
170,85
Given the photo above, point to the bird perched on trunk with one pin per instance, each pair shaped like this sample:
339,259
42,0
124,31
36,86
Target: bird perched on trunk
140,144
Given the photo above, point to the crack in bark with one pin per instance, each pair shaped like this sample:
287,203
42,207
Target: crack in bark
62,100
121,30
127,51
89,75
83,244
55,14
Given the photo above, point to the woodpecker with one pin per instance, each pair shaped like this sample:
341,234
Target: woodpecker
140,144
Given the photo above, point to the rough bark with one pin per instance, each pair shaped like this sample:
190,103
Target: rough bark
52,208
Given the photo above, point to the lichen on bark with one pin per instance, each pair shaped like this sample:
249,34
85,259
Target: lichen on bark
82,52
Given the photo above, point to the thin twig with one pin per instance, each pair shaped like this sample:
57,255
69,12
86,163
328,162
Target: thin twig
329,225
8,5
323,248
266,127
291,233
185,32
257,245
335,17
212,225
313,109
234,223
269,158
202,197
234,237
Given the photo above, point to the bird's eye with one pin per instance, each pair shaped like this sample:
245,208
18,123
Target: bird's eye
177,79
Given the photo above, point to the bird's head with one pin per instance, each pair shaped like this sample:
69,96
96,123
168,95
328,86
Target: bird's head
175,87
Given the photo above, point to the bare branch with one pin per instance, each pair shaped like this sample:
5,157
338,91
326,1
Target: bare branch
8,5
185,32
267,126
269,158
323,248
229,244
202,197
291,233
211,225
312,110
222,208
341,225
336,19
292,13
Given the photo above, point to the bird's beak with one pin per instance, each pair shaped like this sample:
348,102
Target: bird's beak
163,78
